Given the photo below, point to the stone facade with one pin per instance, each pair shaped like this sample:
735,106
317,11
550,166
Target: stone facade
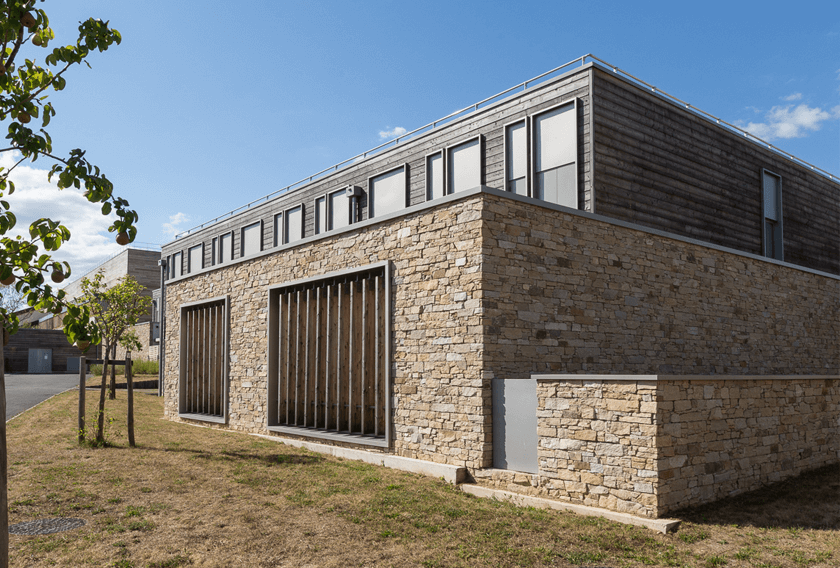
440,401
487,286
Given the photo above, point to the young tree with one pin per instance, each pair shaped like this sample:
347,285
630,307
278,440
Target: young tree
26,262
116,310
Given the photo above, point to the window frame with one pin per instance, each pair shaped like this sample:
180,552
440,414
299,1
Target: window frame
285,212
278,229
242,238
780,255
315,216
427,192
182,358
220,249
447,162
351,209
532,132
179,265
190,269
527,123
371,203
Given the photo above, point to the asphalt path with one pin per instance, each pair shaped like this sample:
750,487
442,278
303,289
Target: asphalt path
25,391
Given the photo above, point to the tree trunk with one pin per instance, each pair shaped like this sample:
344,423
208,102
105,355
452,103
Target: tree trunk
100,418
129,380
112,392
4,497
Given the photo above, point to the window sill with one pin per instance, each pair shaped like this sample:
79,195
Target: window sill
381,442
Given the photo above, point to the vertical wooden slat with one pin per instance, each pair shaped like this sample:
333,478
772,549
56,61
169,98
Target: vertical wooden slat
327,358
338,350
211,360
296,396
350,358
205,378
376,358
362,382
288,351
317,353
279,367
221,359
306,331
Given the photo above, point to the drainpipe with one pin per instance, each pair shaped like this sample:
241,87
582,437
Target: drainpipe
162,323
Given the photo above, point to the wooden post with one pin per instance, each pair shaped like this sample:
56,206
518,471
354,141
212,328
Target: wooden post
112,395
130,387
82,385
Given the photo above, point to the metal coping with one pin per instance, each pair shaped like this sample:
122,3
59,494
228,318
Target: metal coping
600,63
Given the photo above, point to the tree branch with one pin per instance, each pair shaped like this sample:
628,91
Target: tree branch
56,76
17,47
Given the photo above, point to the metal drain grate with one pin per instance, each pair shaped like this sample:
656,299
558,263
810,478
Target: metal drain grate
45,526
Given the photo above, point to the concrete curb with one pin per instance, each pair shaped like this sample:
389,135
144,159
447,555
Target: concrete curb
660,525
449,473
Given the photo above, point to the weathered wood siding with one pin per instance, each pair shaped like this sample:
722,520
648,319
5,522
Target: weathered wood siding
661,166
16,353
488,122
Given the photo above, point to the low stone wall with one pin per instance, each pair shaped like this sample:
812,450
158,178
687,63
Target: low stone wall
722,437
652,444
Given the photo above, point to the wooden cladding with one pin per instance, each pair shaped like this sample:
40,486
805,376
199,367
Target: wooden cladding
203,385
328,353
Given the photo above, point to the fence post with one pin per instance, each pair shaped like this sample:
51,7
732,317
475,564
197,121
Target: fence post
130,388
82,381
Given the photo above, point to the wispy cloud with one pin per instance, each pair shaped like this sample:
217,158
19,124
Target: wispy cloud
790,121
90,242
386,134
793,97
174,226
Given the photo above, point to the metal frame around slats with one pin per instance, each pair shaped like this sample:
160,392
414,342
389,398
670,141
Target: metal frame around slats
345,317
204,361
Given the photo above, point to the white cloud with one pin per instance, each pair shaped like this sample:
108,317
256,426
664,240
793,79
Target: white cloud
174,226
398,131
790,122
90,243
793,97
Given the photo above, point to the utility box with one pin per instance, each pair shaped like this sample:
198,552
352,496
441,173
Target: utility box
40,361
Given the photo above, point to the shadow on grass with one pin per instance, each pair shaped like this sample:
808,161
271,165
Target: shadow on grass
810,500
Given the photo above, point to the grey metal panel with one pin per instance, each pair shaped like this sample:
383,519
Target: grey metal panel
72,364
40,361
515,425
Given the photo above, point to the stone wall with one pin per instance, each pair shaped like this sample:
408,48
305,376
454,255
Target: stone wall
721,437
566,293
441,403
147,352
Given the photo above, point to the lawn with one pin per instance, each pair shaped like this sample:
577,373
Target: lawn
190,496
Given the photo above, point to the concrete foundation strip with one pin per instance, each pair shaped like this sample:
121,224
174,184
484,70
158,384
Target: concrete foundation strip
661,525
457,475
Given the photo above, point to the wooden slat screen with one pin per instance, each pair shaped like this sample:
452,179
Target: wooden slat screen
329,358
202,375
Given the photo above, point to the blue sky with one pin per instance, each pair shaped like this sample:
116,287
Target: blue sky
208,105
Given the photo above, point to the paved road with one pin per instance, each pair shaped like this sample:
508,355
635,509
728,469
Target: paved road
25,391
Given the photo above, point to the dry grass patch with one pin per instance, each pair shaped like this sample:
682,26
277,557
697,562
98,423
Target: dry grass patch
192,496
